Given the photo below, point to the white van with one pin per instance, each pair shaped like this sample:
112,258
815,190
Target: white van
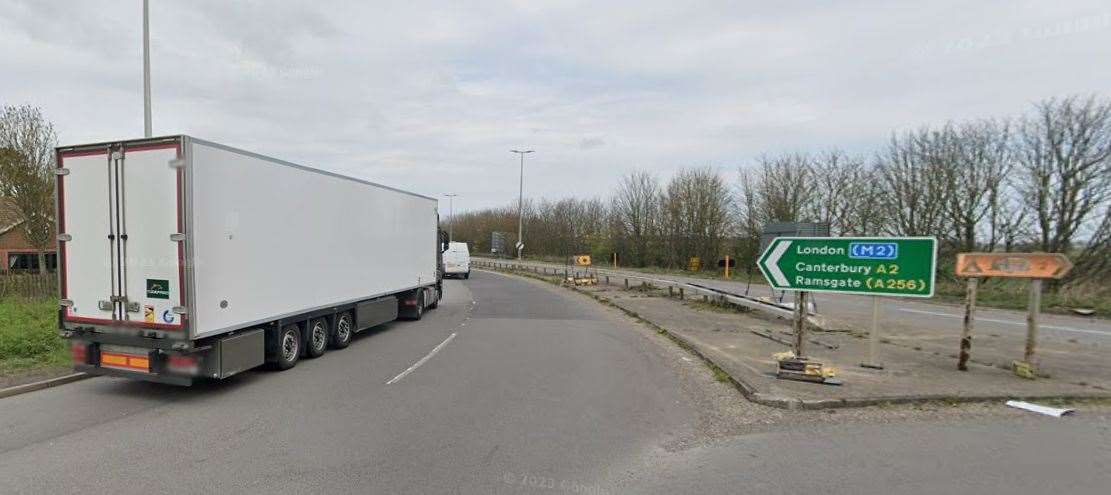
457,260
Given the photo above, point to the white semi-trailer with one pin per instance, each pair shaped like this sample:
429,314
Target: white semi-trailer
181,259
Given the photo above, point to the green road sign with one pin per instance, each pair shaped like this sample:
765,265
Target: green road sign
874,266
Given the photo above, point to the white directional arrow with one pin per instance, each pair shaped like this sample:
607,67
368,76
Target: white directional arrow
772,264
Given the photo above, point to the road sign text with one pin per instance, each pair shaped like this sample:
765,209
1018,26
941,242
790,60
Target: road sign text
884,266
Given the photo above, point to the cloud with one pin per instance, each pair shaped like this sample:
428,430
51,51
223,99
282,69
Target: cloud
593,142
431,96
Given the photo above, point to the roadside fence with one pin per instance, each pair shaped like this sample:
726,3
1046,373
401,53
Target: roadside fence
28,285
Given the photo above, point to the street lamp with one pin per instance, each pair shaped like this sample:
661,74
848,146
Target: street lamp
520,204
451,212
146,69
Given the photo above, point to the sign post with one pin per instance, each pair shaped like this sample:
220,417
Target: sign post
1034,266
874,337
800,323
969,322
873,266
1034,308
728,263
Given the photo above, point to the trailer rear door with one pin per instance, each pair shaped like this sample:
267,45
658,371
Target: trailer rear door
120,216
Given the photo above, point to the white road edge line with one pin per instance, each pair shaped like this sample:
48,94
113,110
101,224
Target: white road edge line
422,360
1008,322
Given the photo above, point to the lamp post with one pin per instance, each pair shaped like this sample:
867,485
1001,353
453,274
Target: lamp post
520,204
451,213
146,69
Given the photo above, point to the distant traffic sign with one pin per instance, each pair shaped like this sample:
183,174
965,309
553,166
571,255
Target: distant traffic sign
887,266
1015,265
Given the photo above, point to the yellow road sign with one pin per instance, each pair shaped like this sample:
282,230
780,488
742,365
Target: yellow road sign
582,260
1015,265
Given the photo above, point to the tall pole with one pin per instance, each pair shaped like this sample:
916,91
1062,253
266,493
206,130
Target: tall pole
1034,307
521,205
969,324
451,212
800,323
146,69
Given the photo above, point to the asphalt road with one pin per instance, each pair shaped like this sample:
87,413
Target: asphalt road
512,386
925,314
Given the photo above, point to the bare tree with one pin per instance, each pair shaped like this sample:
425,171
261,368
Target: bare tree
26,174
976,158
636,207
914,184
697,209
1066,161
785,187
842,194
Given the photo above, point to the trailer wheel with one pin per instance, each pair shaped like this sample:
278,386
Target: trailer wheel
467,276
436,302
344,329
417,311
289,347
317,339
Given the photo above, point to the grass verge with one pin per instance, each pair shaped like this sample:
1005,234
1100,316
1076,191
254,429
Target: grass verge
1014,293
29,336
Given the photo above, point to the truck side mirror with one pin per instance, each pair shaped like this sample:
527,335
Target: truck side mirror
443,241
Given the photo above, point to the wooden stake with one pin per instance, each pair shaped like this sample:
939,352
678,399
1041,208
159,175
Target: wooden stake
1032,319
800,322
969,323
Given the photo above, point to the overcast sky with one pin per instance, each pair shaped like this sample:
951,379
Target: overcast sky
430,96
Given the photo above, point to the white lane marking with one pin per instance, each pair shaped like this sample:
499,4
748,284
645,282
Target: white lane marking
422,360
1008,322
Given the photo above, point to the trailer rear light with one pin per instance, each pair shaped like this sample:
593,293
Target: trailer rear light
80,352
183,364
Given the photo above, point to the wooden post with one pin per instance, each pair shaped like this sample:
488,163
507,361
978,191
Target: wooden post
727,266
969,323
626,284
671,291
614,261
681,294
607,279
800,322
1034,308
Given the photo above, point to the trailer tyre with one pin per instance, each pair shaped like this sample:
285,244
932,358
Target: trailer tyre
467,276
344,329
317,339
416,311
289,348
